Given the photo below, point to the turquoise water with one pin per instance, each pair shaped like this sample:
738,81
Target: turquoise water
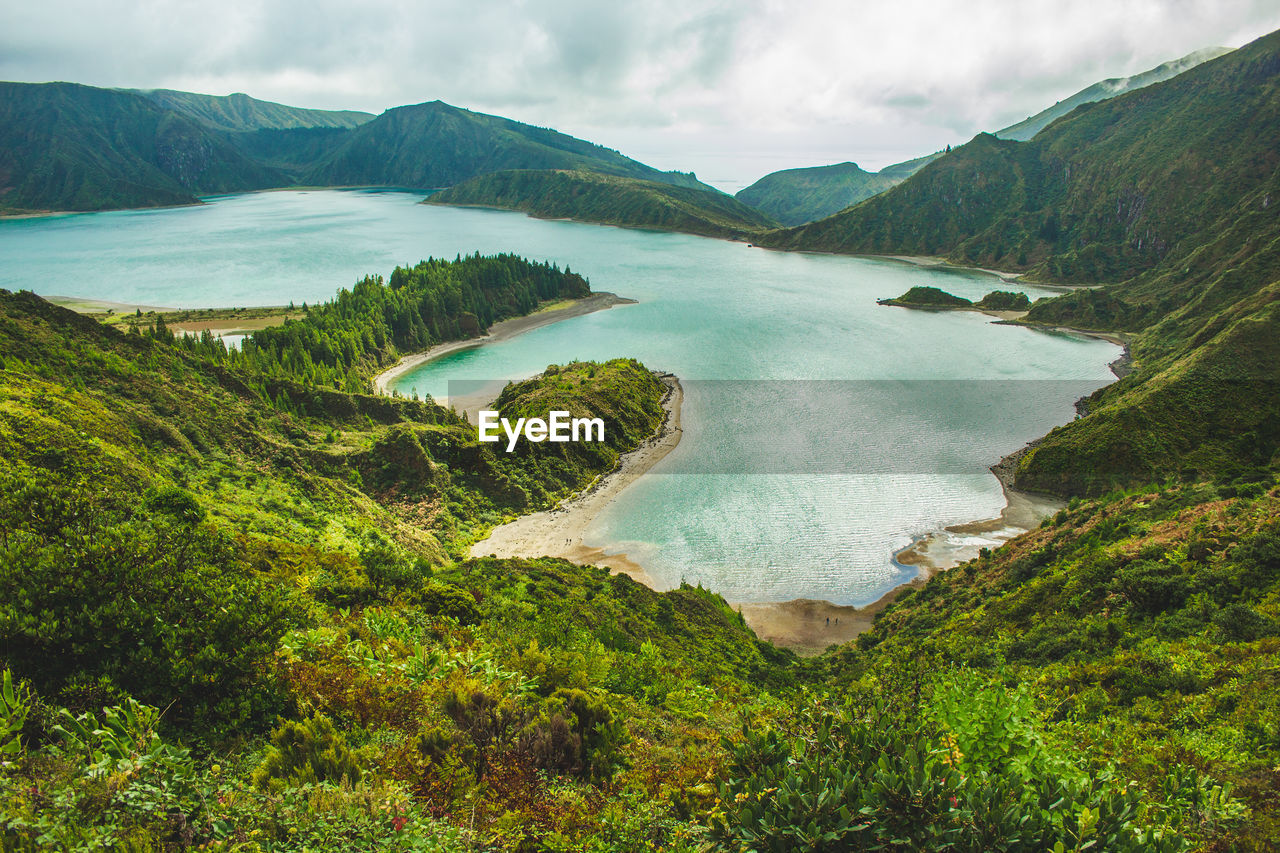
822,431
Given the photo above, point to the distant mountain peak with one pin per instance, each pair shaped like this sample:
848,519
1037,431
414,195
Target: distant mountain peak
1109,88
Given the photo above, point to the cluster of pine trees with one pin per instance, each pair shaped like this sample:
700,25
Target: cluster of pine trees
342,343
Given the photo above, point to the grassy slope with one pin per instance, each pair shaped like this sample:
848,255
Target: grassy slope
437,145
611,200
1030,126
1146,624
332,511
338,465
797,196
71,147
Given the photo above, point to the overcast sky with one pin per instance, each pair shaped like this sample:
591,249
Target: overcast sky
732,90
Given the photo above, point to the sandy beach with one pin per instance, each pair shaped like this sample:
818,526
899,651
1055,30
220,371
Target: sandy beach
959,543
558,532
501,331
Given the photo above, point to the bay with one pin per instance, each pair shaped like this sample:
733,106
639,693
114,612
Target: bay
822,431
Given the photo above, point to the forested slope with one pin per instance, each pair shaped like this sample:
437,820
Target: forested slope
797,196
611,200
70,147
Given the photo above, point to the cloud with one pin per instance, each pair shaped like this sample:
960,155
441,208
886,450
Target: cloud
833,79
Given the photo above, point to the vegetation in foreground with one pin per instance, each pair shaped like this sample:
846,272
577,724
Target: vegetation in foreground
235,612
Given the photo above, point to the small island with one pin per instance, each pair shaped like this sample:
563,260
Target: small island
932,297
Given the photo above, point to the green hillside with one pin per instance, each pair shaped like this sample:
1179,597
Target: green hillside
1166,194
69,147
433,145
1143,627
234,612
208,567
797,196
609,199
1105,194
239,112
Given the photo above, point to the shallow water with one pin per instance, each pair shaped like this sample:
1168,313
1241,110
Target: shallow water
822,431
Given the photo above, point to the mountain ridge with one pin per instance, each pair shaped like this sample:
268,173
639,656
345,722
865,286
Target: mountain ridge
67,146
383,152
239,112
799,196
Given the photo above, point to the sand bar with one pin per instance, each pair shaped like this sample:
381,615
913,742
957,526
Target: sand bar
558,532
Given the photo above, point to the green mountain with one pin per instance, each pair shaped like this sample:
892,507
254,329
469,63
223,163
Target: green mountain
433,145
797,196
609,199
1166,192
69,147
290,139
1109,88
239,112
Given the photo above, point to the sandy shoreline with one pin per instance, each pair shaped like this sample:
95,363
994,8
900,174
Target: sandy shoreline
498,332
557,532
808,627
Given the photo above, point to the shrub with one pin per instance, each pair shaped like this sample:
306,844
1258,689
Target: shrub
156,605
306,752
873,780
578,733
1240,623
441,599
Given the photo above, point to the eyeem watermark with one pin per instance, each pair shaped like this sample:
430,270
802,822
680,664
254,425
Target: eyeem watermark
560,427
